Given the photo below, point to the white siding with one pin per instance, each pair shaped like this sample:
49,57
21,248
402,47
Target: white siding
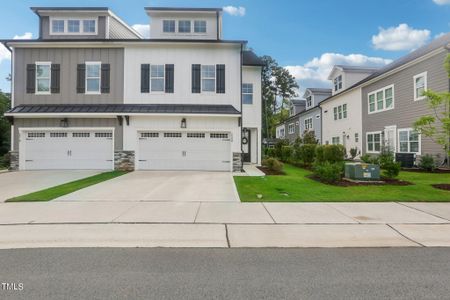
351,125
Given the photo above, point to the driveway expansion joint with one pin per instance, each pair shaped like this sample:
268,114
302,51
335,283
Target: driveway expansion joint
425,212
406,237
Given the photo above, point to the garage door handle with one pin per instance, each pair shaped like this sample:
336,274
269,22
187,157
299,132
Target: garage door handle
142,160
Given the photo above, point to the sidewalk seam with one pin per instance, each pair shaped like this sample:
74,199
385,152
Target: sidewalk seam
196,214
123,213
406,237
265,207
344,214
226,236
428,213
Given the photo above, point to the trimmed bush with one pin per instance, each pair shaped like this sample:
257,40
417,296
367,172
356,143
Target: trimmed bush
427,163
309,137
370,159
330,153
307,153
286,153
279,147
270,152
273,164
391,169
329,172
386,157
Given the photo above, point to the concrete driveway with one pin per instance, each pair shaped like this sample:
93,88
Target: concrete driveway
162,186
14,184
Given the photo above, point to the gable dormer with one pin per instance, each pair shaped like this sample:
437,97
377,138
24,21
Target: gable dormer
343,77
296,106
185,23
313,96
81,23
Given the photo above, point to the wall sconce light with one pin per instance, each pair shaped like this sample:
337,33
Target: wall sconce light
183,123
64,123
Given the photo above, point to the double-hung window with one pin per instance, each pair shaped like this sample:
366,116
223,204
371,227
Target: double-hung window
208,78
89,26
157,78
409,141
200,26
340,112
184,26
247,93
43,77
58,26
338,83
93,77
308,124
291,128
169,26
73,26
335,140
381,100
373,142
420,86
309,101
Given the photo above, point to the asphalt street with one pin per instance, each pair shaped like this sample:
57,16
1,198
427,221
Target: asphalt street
144,273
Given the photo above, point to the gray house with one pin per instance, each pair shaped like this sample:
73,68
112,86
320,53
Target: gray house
290,128
392,100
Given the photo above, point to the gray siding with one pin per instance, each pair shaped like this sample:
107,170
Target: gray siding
68,59
293,136
118,31
317,122
55,122
45,30
406,110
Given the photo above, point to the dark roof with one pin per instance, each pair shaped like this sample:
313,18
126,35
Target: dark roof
298,102
124,40
357,68
251,59
183,8
70,8
320,90
126,109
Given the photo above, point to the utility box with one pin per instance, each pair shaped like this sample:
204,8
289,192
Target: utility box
362,172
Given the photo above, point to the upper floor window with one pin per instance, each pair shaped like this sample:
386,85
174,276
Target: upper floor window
168,25
157,78
184,26
291,110
308,124
247,93
200,26
309,101
291,128
73,26
89,26
208,78
338,83
340,112
58,26
381,100
409,141
93,77
43,77
420,86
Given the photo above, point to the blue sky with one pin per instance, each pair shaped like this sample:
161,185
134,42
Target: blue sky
306,36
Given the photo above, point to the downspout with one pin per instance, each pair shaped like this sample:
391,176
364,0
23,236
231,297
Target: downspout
11,119
242,115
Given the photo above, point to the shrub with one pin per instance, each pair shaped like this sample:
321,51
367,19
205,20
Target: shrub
279,147
270,152
391,169
427,163
5,161
329,172
309,137
330,153
286,153
386,157
370,159
353,152
307,153
273,164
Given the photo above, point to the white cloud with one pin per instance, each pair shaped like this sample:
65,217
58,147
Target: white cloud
315,72
400,38
439,35
234,11
441,2
143,29
25,36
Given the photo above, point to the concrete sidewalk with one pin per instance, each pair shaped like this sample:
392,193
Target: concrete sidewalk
223,224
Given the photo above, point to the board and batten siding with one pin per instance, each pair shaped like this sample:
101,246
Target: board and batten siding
68,58
315,114
45,29
297,133
78,122
406,111
183,56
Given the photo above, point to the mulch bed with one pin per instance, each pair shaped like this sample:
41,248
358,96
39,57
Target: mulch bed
443,186
417,170
270,172
345,183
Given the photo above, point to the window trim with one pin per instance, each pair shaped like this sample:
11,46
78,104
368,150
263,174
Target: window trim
208,78
383,89
43,63
184,32
163,78
99,92
367,141
312,101
419,140
291,128
312,124
338,84
66,26
206,27
425,85
174,29
247,93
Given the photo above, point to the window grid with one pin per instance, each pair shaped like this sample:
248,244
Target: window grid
149,134
58,134
309,101
89,26
409,141
73,26
58,26
291,128
208,78
184,26
338,83
36,134
197,135
420,86
381,100
172,134
308,124
93,77
169,26
103,134
218,135
374,142
247,94
81,134
157,78
335,140
43,77
200,26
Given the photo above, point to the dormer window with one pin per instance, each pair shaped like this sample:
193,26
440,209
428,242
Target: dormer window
309,101
200,26
184,26
73,26
89,26
338,83
61,26
291,111
58,26
169,26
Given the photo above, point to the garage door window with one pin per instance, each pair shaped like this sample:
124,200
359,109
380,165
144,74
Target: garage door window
149,134
58,134
172,134
36,134
197,135
219,135
103,135
81,134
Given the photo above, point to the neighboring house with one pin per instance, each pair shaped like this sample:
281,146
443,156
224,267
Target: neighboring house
341,113
310,119
290,128
91,93
392,100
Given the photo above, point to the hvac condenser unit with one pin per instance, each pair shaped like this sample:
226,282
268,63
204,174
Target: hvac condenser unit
362,171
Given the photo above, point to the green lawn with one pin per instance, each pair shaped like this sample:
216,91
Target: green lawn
67,188
296,187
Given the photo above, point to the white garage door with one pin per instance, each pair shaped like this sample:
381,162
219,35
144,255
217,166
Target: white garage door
71,150
184,151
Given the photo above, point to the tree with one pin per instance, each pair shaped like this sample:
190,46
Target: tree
437,125
5,127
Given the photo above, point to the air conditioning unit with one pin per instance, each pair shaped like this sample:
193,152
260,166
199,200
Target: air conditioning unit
362,172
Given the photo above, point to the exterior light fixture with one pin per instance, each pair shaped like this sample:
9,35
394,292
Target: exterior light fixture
183,123
64,123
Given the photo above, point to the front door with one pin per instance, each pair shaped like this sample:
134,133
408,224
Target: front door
390,141
246,142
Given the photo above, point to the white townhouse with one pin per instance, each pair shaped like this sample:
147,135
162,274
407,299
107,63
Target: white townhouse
341,113
91,93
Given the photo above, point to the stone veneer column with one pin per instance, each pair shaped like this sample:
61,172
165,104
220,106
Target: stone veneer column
237,162
14,160
124,160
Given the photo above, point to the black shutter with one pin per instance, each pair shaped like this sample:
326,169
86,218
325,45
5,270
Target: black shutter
31,78
55,84
81,78
145,78
169,78
105,85
220,79
196,79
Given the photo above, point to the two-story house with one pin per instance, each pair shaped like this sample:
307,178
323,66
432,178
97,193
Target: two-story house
341,113
91,93
290,128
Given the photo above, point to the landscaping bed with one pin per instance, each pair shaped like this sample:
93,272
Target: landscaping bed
442,186
435,171
268,171
347,183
